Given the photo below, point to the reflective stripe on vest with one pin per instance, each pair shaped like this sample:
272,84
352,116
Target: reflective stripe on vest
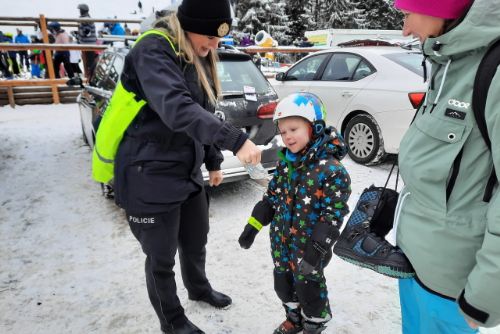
119,114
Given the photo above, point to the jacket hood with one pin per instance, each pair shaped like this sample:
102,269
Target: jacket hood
479,28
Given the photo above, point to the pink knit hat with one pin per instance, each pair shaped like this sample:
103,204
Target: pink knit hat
446,9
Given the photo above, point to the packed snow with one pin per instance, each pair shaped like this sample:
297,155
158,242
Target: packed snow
69,263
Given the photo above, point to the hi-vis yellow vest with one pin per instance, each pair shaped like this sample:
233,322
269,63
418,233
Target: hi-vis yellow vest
119,114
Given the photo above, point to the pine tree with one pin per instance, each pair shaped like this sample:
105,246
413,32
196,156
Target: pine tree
345,14
276,21
381,15
319,10
299,18
252,15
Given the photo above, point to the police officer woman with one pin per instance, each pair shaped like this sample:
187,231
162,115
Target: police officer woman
158,180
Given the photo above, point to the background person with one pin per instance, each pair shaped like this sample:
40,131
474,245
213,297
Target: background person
450,234
4,58
61,56
12,55
86,34
23,54
158,180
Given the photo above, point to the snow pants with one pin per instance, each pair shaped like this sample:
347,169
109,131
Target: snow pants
185,228
424,312
308,292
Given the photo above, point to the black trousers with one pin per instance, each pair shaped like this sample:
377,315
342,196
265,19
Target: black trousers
4,64
24,59
62,57
185,229
89,62
13,59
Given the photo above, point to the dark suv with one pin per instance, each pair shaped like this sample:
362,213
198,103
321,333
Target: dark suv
248,102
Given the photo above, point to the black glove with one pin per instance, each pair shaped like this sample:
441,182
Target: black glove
247,236
262,214
322,240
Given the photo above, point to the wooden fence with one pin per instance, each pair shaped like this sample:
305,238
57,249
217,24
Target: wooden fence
14,91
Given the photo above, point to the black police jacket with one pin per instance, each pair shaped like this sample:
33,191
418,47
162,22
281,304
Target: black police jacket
157,165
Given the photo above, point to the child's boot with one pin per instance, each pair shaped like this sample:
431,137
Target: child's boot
313,327
292,324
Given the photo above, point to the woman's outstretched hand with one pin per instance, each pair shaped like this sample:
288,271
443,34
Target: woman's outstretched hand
249,153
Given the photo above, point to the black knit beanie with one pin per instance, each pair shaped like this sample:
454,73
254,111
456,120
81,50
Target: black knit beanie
205,17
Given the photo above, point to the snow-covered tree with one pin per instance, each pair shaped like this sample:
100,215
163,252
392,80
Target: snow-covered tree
251,15
380,14
277,21
267,15
345,14
299,18
287,20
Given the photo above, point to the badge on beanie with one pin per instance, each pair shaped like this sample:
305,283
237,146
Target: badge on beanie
223,29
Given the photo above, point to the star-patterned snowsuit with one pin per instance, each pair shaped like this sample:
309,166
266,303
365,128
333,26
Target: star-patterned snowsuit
311,190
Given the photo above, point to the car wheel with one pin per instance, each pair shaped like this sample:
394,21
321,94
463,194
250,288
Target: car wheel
364,139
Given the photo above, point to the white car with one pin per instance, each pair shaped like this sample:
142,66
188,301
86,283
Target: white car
370,94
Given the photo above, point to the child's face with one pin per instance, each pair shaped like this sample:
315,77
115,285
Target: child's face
295,132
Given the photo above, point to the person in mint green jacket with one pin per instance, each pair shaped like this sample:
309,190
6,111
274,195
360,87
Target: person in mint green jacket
446,227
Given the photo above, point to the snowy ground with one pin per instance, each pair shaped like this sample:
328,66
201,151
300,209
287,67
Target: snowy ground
69,263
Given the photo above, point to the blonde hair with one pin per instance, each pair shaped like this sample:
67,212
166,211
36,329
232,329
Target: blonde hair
171,26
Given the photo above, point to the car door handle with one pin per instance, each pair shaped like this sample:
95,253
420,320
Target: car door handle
347,94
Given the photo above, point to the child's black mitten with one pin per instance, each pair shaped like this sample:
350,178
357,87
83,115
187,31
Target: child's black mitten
322,239
262,214
248,236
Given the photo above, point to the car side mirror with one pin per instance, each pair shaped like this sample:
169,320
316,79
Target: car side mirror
280,76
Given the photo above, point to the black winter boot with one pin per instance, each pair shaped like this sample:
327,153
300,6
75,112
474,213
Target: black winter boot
313,327
186,327
359,244
292,324
215,298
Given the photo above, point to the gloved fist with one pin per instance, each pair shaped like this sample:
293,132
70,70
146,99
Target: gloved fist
247,236
312,258
318,248
305,268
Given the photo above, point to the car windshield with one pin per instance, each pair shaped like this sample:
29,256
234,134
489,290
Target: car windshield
234,75
411,61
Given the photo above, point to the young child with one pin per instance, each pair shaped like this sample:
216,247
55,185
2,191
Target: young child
305,204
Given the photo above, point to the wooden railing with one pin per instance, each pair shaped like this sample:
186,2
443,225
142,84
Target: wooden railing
41,23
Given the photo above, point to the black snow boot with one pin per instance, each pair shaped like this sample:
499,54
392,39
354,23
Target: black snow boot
107,191
292,324
186,327
361,245
313,327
